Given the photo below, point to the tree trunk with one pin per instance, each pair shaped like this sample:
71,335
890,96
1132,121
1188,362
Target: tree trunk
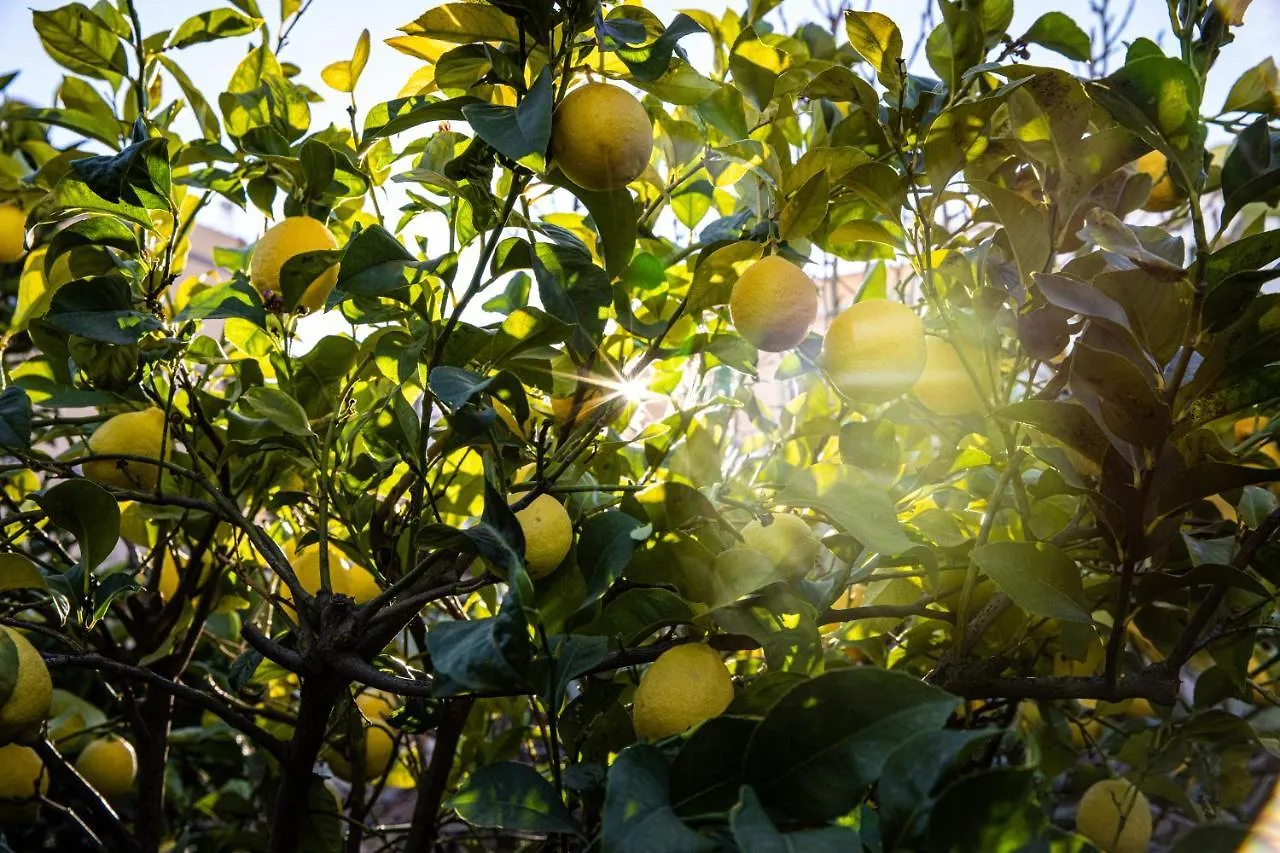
431,788
319,692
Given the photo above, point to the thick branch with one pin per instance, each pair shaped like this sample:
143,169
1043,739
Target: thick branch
101,816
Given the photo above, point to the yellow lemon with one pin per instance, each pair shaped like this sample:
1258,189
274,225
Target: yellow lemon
27,707
109,764
1094,658
1029,716
945,387
562,407
22,777
379,741
687,685
134,434
548,534
345,577
1246,427
1164,195
284,240
874,351
1115,816
601,137
773,304
786,540
13,233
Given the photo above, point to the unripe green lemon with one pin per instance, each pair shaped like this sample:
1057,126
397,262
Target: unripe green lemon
945,387
110,765
133,434
773,304
1115,816
27,707
22,777
548,534
787,541
601,137
874,351
685,686
284,240
13,233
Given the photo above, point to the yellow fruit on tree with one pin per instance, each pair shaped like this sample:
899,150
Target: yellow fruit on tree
1164,195
787,541
22,777
131,434
13,233
548,534
562,407
109,764
1246,427
1115,816
287,239
685,686
1094,657
945,387
773,304
345,577
379,741
24,711
601,137
874,351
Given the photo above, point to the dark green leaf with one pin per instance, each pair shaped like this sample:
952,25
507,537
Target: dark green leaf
210,26
88,513
651,61
454,386
515,797
15,419
637,808
138,176
911,780
1040,578
517,131
401,114
605,547
1060,33
754,832
81,41
847,497
485,655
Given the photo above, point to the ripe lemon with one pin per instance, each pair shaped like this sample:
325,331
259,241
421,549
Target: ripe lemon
27,707
1115,816
135,434
21,774
1246,427
548,534
379,741
773,304
13,233
1094,658
284,240
687,685
345,577
945,387
1164,195
601,137
787,541
110,765
874,351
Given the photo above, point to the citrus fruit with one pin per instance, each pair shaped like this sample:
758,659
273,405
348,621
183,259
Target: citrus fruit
773,304
1245,427
379,741
284,240
601,137
13,233
548,534
24,711
685,686
109,764
1095,656
945,387
132,434
1115,816
786,540
874,350
345,577
1164,195
21,775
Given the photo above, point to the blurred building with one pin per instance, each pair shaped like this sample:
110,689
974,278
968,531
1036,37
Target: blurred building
204,240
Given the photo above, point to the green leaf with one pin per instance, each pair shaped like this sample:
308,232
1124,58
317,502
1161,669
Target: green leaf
344,74
877,40
456,386
15,419
955,45
637,613
912,778
716,272
960,134
605,547
139,176
1050,114
512,796
754,832
847,497
100,309
781,621
1026,224
638,817
235,298
1203,479
1040,578
277,407
517,131
401,114
483,655
463,23
707,772
1252,169
805,210
106,131
205,114
988,810
211,26
1212,839
79,40
615,216
826,740
1256,90
651,61
1121,399
18,572
87,512
1060,33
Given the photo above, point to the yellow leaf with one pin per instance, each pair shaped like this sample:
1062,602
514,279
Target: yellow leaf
345,74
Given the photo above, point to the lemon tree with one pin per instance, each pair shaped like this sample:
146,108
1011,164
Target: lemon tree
633,430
